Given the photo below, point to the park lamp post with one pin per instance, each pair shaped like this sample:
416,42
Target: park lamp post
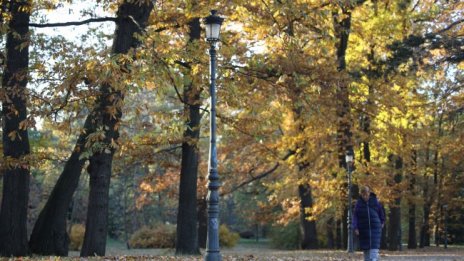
349,156
213,25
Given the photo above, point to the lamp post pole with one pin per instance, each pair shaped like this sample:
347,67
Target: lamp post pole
213,23
349,161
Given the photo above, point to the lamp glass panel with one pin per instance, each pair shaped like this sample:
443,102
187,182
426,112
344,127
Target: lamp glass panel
349,158
212,31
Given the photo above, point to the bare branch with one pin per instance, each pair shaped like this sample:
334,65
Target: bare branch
75,23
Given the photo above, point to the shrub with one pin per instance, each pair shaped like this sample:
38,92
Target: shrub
159,236
286,237
227,238
76,237
247,234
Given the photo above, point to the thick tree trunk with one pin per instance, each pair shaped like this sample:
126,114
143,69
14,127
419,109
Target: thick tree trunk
202,222
308,227
96,226
132,19
187,230
13,212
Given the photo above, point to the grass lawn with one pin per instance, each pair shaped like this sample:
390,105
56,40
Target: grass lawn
249,249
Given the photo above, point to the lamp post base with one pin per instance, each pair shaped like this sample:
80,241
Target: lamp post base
213,256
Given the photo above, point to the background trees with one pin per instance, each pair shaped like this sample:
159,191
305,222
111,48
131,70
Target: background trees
300,82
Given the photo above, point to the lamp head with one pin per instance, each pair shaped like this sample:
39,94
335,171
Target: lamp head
213,24
349,156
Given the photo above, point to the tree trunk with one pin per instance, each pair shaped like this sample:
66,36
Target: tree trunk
49,235
383,240
330,234
132,18
202,222
187,230
97,214
342,27
308,227
412,241
425,228
338,235
394,228
13,212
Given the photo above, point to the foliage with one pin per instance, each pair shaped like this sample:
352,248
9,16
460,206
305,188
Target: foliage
286,236
277,83
157,236
76,236
227,238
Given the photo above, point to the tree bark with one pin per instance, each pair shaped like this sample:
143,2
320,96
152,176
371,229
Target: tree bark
412,241
202,222
338,234
187,230
394,228
308,227
342,27
13,212
383,240
330,233
49,235
132,18
425,228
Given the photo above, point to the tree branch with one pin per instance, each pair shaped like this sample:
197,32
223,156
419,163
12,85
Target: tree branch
260,176
88,21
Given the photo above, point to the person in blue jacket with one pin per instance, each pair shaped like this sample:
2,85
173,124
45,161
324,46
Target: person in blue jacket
368,221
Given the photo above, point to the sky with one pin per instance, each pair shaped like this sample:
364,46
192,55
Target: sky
77,11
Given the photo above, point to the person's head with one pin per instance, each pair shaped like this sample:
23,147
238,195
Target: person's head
365,192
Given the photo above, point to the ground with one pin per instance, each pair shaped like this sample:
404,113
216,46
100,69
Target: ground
261,251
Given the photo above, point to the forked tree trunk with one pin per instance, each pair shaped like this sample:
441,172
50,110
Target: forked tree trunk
49,235
13,212
187,230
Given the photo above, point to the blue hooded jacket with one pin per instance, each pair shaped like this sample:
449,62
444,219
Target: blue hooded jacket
368,218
